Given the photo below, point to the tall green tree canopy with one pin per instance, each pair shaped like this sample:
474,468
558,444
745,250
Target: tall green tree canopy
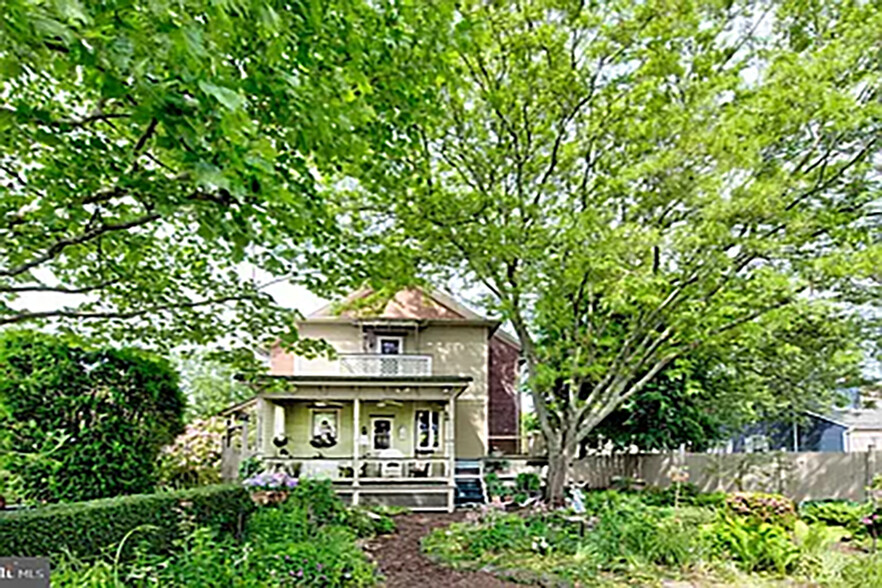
86,423
779,374
154,153
633,181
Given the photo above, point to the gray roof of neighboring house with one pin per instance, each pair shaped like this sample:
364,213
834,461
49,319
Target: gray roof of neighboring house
859,418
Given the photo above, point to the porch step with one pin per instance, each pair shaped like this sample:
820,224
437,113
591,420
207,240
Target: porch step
469,475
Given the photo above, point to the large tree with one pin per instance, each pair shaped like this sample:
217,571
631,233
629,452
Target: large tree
155,155
632,181
796,363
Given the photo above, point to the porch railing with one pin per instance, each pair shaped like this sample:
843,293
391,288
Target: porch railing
371,469
362,364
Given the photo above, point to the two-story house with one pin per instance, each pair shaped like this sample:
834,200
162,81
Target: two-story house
414,395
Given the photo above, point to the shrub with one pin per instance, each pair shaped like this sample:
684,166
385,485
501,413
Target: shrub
112,409
656,496
88,528
632,531
755,544
318,499
329,557
761,507
836,513
194,459
367,523
250,466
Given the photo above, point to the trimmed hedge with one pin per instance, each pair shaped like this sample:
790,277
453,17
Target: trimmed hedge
88,529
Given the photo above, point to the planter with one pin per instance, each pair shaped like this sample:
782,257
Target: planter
269,497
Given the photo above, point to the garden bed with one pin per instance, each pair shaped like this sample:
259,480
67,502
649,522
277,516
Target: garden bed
633,538
309,538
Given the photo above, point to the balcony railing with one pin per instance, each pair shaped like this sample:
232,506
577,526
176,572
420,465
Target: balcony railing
386,365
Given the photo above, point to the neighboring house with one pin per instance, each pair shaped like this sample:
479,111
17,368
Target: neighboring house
417,393
855,428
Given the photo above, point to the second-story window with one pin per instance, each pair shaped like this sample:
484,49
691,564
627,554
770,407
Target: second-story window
390,345
428,431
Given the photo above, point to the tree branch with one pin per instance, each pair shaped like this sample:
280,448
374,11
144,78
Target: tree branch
63,244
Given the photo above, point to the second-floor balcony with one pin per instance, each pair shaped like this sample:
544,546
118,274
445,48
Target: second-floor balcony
364,364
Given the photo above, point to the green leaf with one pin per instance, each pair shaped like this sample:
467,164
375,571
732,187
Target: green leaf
229,98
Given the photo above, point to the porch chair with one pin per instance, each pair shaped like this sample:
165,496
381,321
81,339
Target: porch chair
390,469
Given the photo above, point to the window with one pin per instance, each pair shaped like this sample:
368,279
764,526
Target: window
428,430
381,433
390,345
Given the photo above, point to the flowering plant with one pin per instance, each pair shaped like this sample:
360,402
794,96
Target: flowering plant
271,481
762,507
194,459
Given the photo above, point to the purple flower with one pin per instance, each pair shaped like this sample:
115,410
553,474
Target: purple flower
868,521
300,573
318,567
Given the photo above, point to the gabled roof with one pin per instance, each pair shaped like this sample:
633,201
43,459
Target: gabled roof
408,303
859,418
426,305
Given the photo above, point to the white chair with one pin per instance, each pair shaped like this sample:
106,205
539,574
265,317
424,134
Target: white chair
391,469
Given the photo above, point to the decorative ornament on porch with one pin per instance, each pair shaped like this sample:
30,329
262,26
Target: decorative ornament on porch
324,429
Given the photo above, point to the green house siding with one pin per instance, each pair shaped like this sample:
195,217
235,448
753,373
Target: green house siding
299,423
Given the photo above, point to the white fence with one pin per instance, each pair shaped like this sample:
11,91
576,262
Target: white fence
801,476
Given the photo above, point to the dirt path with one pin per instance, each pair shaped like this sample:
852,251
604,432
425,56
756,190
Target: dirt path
403,565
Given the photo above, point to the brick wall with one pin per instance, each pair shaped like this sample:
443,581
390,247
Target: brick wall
503,391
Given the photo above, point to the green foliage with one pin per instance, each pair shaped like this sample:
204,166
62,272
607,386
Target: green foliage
689,495
839,513
152,150
756,545
365,522
762,507
109,411
635,183
622,533
249,467
494,485
630,531
319,501
194,459
329,557
528,482
676,408
86,529
282,545
623,538
210,385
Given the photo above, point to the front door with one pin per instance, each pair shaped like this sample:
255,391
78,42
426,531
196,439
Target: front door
381,433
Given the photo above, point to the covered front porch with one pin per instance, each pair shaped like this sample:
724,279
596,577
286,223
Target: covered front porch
379,441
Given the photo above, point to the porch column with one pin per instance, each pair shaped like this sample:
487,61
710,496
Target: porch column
278,420
262,417
244,440
356,438
450,444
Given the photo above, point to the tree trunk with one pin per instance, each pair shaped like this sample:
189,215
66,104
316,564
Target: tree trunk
559,462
